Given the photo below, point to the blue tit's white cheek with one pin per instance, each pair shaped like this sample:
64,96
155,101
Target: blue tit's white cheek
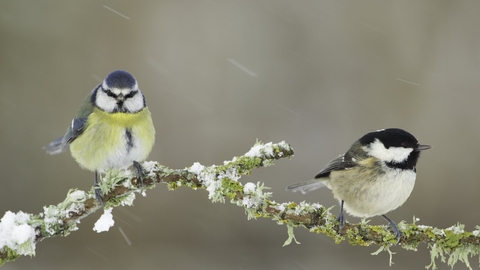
135,103
104,102
392,154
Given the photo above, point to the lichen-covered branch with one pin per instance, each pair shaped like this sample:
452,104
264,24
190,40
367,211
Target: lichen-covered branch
20,232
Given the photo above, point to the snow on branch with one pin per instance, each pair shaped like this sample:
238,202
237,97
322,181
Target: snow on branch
19,232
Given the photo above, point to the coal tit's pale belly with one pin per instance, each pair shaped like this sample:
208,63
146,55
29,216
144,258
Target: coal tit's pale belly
366,195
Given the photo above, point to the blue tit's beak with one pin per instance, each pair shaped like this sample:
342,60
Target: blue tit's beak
422,147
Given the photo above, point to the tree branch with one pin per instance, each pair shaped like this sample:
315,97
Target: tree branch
20,232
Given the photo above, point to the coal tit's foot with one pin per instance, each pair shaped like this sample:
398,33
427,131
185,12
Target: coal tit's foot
396,231
341,218
138,171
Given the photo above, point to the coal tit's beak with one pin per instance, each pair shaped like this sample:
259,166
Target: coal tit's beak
422,147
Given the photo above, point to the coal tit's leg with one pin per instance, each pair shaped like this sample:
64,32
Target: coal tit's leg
398,234
340,217
138,171
98,191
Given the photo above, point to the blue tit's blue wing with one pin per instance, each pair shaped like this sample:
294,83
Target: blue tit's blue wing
60,145
79,123
76,129
55,147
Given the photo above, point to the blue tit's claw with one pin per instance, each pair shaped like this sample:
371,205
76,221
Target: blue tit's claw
96,188
139,171
99,195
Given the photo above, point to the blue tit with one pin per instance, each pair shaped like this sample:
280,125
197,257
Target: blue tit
375,176
113,129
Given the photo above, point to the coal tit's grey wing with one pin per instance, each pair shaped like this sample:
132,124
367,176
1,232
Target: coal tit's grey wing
307,186
334,164
320,178
342,162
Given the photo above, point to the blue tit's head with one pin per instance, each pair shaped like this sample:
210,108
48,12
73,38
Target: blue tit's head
119,92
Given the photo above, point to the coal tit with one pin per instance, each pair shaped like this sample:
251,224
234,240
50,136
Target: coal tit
375,176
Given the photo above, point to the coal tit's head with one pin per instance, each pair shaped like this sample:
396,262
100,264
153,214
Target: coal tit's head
395,147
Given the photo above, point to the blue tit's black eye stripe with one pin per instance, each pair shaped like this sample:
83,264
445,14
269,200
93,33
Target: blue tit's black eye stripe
131,94
109,93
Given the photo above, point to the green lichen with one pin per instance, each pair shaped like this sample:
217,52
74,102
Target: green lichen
125,199
244,164
387,249
355,238
113,178
329,229
452,243
231,188
10,255
173,185
292,206
291,236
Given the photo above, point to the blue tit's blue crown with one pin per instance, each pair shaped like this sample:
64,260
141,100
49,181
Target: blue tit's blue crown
120,79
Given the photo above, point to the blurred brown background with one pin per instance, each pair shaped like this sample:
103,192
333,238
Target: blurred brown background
220,74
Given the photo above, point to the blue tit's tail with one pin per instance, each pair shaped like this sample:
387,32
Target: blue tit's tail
307,186
56,147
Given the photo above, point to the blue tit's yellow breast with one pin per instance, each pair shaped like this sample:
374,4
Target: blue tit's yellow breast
114,140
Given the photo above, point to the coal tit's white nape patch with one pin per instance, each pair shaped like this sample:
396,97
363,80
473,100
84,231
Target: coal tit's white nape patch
392,154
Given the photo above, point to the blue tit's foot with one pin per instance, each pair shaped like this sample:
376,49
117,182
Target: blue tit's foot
98,195
96,188
138,171
396,231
